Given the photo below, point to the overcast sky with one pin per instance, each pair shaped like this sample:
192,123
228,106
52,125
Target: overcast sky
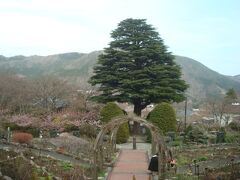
205,30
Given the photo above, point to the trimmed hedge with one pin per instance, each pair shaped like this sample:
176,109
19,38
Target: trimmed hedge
122,133
164,117
110,111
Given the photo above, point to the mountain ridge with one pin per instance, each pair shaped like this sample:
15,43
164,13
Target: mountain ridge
78,67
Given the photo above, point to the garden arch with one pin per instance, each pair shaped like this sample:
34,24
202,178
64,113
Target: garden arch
158,143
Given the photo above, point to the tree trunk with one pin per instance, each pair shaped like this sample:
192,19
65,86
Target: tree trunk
137,110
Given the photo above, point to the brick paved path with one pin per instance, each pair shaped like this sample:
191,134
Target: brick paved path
130,163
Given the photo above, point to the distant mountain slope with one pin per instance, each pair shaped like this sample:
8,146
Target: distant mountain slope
237,78
203,81
77,67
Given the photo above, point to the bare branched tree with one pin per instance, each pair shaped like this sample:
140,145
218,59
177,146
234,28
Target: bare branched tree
15,93
220,108
50,92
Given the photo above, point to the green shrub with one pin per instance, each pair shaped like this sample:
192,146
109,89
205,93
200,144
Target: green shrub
70,127
110,111
188,129
232,138
221,137
212,139
53,133
172,135
183,160
163,116
66,165
202,158
175,143
88,130
196,134
122,133
235,126
185,177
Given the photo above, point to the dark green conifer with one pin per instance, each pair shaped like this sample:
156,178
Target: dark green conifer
137,68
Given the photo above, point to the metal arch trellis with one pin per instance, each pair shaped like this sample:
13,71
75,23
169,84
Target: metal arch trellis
158,144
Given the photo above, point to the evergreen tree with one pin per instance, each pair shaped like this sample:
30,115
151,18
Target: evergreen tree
231,94
137,68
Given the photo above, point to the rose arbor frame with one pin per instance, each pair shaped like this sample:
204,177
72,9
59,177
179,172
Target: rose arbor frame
158,144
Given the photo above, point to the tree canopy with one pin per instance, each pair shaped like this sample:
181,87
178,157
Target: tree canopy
231,94
137,68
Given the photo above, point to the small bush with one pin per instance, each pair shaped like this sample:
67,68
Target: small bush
196,134
110,111
235,126
221,137
175,143
182,160
122,134
232,138
212,139
53,133
172,135
188,129
202,158
88,130
164,117
22,138
66,165
70,127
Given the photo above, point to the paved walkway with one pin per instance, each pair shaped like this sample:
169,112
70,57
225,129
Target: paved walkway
130,163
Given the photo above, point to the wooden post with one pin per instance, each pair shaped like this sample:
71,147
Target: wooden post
101,157
153,146
153,143
113,139
161,162
95,174
135,131
111,144
8,134
134,142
